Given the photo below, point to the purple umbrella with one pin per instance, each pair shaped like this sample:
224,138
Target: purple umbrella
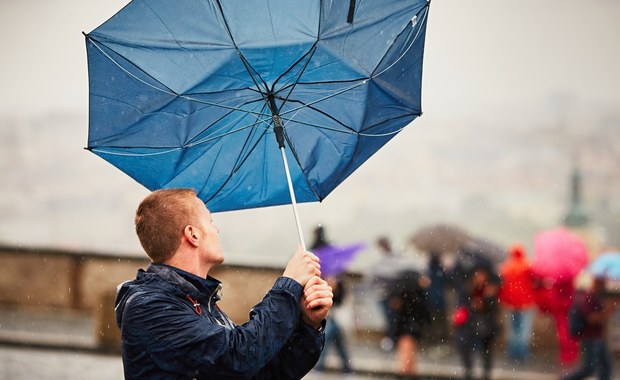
337,259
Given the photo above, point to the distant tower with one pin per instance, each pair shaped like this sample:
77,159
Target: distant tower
576,215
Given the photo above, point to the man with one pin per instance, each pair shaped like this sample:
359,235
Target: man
171,325
594,351
475,319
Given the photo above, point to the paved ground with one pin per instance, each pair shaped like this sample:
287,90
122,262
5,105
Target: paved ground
51,346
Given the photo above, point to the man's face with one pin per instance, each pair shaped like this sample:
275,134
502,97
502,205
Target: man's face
211,249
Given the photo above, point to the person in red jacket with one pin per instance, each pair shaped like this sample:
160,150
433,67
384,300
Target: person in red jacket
517,295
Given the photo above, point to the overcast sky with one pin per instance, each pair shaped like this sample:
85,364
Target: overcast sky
481,55
518,64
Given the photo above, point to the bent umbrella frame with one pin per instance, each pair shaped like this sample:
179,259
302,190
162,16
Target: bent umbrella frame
187,93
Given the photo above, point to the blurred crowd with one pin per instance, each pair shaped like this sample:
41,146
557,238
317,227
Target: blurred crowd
468,295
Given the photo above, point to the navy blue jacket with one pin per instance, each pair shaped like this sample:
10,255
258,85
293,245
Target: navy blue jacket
172,328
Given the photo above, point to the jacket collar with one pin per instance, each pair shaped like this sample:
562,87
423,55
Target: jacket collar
188,282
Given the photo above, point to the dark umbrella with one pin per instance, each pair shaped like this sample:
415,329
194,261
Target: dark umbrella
479,254
440,238
485,250
208,94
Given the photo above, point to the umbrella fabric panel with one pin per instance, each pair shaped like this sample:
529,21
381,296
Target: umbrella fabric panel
440,238
559,254
364,43
145,113
606,265
165,38
265,188
337,259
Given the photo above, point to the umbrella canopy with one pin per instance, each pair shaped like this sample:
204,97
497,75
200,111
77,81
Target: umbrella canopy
440,238
606,265
203,93
337,259
485,250
559,254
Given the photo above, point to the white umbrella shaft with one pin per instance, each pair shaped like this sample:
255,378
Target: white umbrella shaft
293,199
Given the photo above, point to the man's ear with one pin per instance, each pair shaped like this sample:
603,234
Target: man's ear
191,234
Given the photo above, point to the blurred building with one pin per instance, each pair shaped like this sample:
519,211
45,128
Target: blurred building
578,220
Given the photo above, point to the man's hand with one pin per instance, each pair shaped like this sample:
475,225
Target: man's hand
302,266
316,301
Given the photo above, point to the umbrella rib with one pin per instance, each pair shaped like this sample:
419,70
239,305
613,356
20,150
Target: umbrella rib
211,138
173,149
317,126
291,86
364,134
414,22
237,165
167,90
247,65
351,130
363,81
126,154
240,161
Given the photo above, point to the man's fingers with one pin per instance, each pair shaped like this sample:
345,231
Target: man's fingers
316,284
318,292
320,303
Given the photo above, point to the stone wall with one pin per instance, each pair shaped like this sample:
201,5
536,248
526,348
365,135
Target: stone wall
87,281
82,280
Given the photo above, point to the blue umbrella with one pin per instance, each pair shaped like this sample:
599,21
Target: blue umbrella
207,94
606,265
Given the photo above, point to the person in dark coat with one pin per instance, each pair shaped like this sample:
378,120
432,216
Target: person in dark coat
171,325
596,312
476,320
437,299
407,299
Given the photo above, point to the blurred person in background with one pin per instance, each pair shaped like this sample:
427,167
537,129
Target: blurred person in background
438,333
517,295
475,320
596,311
334,335
407,300
171,325
381,275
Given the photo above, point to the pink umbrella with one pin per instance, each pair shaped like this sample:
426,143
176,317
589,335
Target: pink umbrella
559,254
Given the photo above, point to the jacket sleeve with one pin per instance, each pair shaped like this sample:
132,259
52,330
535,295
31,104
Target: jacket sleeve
297,357
182,342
